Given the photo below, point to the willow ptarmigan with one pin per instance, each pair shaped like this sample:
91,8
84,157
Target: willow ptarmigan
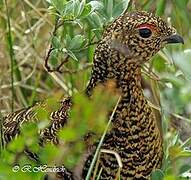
130,41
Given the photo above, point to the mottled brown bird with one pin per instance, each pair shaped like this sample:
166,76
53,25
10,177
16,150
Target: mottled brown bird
127,43
130,41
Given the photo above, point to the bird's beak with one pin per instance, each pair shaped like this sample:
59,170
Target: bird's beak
175,38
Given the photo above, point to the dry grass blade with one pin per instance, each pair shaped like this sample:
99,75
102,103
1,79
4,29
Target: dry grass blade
11,53
171,113
119,161
99,173
101,141
38,12
150,73
118,158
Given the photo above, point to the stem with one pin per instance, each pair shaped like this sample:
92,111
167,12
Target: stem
1,134
11,53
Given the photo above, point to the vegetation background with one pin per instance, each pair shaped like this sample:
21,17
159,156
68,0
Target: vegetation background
46,52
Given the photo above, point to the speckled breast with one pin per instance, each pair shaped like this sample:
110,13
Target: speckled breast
136,138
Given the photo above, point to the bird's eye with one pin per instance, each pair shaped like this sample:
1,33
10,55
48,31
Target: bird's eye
145,32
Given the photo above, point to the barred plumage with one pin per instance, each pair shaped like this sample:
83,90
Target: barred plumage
13,121
131,40
127,43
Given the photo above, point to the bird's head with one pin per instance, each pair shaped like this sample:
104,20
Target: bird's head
127,43
140,35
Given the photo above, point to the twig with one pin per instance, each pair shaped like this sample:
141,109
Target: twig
86,46
85,66
58,24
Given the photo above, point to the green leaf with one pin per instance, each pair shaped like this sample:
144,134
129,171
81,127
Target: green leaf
67,134
120,7
159,63
17,145
76,7
157,175
183,61
67,40
170,177
52,104
59,5
178,152
95,18
29,129
177,82
56,42
98,32
76,42
109,8
86,11
175,139
184,168
42,113
72,55
48,153
43,124
54,57
185,153
68,11
174,151
96,5
80,8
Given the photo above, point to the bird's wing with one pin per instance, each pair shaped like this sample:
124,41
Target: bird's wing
13,121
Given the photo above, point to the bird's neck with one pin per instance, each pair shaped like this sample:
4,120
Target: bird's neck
132,98
128,81
133,111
